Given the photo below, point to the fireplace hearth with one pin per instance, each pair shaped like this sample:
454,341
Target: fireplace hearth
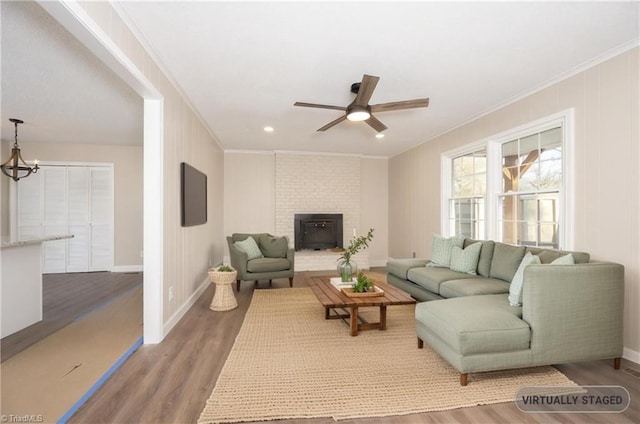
317,231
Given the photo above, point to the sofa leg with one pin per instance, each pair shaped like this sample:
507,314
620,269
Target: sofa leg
290,281
463,379
420,343
270,283
237,285
616,363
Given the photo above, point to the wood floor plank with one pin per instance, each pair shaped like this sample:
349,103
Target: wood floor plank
170,382
65,297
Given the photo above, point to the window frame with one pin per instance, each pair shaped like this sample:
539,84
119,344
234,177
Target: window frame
493,146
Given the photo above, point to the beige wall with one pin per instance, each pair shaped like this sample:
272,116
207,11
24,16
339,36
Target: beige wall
187,251
127,161
374,207
607,218
249,194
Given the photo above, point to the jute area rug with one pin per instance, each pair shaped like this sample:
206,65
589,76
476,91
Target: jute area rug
289,362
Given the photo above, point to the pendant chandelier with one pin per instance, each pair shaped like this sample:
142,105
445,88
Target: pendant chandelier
15,167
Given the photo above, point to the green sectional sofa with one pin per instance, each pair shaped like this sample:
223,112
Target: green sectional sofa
568,313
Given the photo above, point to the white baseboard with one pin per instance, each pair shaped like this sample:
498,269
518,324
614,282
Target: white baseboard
127,268
168,326
631,355
378,263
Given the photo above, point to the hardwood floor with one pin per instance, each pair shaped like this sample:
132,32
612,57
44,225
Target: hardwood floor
65,297
170,382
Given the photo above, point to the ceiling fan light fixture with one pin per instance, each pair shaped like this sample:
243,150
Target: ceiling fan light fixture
358,113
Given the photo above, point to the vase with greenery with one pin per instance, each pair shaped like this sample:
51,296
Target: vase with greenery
346,265
223,274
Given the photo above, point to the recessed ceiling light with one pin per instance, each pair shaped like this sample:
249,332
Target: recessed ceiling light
268,129
379,135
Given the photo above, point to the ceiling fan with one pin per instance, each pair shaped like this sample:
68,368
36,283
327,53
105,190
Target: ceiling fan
360,110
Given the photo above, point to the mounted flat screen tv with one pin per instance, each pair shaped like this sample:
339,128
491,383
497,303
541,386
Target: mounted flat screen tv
193,192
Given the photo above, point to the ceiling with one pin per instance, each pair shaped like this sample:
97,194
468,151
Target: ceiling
242,65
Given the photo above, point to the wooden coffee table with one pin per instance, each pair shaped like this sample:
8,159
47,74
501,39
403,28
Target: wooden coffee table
331,298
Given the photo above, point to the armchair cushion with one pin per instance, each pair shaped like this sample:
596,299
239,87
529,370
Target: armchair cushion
268,265
250,247
273,247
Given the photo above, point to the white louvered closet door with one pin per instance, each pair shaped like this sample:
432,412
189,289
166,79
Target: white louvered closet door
54,218
101,219
75,200
30,207
79,219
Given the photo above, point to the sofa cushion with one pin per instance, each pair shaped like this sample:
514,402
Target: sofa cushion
549,255
473,287
564,260
506,260
515,290
465,260
273,247
250,247
400,267
268,265
441,250
486,255
476,324
430,278
243,236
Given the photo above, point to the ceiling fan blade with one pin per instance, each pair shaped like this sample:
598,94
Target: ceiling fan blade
405,104
332,123
365,91
319,106
375,124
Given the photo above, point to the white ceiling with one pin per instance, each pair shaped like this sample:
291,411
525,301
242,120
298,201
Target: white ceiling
242,65
61,91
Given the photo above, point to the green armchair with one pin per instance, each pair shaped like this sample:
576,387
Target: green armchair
275,259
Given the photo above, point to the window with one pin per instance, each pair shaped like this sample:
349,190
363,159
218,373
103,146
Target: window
468,189
513,187
528,212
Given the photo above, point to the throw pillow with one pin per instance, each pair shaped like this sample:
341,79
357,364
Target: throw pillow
250,247
273,247
465,260
505,261
564,260
515,290
441,250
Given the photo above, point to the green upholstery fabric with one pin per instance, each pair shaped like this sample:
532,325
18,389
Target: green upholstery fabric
549,255
430,278
268,264
569,313
465,260
575,311
261,268
505,261
486,255
273,247
564,260
400,267
476,324
473,287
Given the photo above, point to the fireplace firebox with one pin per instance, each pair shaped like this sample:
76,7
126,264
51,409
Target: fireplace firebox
317,231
